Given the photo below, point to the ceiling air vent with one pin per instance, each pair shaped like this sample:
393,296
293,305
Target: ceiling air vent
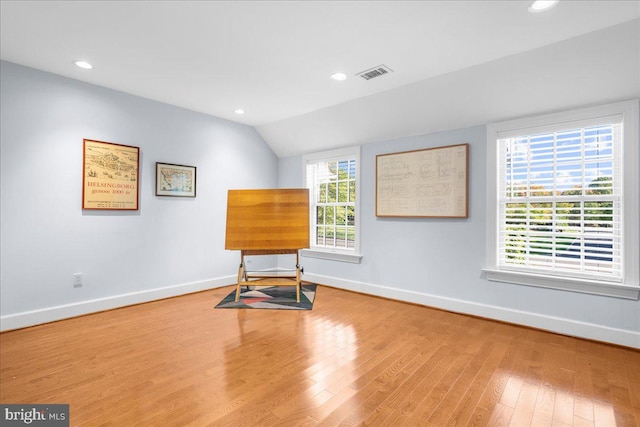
374,72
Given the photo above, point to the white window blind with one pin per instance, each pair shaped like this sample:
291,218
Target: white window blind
560,200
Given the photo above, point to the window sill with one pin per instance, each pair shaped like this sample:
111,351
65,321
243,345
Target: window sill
596,287
332,256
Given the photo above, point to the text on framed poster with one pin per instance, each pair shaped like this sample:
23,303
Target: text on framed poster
432,182
109,176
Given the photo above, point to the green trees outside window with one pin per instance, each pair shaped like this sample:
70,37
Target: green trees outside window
335,204
557,228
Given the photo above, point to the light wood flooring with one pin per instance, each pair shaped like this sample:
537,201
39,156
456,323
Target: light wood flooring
352,360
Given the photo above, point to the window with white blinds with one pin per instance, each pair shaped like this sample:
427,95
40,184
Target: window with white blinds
563,198
560,199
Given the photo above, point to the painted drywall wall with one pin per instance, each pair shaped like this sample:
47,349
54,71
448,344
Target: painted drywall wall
439,262
169,246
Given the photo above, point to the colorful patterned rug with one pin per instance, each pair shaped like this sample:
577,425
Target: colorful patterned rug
272,297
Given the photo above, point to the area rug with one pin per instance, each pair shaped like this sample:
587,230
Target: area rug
272,297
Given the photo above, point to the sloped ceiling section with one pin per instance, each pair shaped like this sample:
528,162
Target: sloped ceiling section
599,67
454,62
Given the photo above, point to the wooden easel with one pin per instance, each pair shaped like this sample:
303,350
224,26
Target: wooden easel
247,278
268,222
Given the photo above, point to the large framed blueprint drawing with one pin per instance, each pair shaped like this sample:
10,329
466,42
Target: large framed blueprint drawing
431,182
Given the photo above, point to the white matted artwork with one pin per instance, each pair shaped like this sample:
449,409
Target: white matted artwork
175,180
431,183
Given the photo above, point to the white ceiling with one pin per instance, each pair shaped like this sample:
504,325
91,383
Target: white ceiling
274,58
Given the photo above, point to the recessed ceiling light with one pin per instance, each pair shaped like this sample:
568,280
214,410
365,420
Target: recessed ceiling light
339,76
84,64
542,5
239,111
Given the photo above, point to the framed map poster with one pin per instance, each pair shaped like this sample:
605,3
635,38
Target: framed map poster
431,183
175,180
110,174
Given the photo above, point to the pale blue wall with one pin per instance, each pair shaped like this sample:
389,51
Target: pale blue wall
439,262
46,236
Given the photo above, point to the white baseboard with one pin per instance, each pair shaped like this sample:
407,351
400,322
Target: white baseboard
51,314
559,325
550,323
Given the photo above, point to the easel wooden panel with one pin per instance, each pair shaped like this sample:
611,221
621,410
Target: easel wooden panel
268,219
268,222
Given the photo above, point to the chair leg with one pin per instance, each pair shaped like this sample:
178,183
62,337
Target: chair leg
298,279
240,276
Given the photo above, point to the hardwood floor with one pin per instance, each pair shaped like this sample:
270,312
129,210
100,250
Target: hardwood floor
352,360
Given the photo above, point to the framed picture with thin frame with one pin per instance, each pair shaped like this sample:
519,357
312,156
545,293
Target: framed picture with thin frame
175,180
425,183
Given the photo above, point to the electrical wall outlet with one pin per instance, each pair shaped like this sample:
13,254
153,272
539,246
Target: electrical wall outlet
77,280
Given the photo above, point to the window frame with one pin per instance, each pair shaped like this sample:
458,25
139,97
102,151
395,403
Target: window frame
351,255
629,287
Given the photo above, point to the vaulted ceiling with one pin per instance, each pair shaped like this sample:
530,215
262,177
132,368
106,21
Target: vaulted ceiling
273,59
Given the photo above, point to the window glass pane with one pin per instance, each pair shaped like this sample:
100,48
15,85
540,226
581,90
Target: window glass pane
320,215
343,169
351,215
569,147
331,192
516,216
352,169
601,185
541,217
322,193
569,178
598,215
330,236
320,232
332,174
568,216
329,216
341,237
343,190
598,171
352,191
515,247
341,215
351,237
